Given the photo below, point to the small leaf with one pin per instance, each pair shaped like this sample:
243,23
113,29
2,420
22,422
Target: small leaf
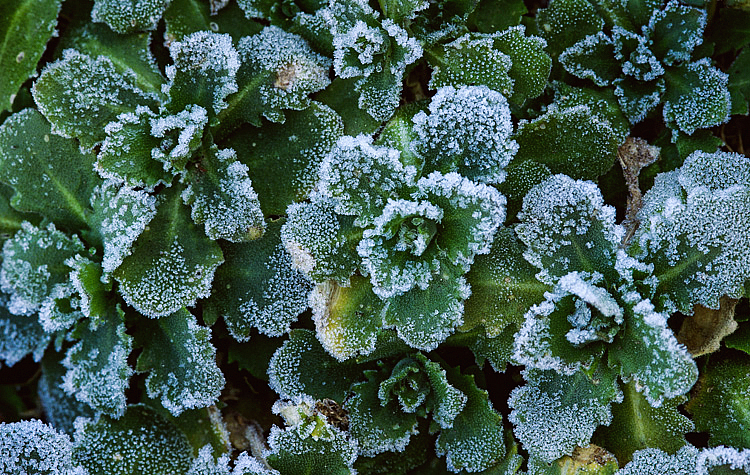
675,31
127,16
184,17
49,173
134,444
60,409
637,99
565,22
21,335
172,263
696,97
601,102
342,97
25,30
181,362
34,447
222,197
80,95
258,287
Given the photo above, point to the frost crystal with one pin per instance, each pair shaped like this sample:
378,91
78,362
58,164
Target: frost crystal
481,148
722,456
32,447
127,16
181,134
656,462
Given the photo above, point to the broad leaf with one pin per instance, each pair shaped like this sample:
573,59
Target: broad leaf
565,22
592,58
60,409
33,447
696,97
181,362
653,461
20,336
739,83
127,16
675,31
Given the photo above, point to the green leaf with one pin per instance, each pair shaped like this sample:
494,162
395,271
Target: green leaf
127,52
589,460
60,409
128,16
730,30
592,58
398,463
254,358
503,287
222,197
98,371
675,31
565,22
739,83
297,146
347,318
490,16
139,442
724,461
172,263
600,101
278,72
21,335
653,461
637,425
475,440
203,73
181,362
638,98
25,29
572,405
34,265
258,287
720,405
696,97
33,447
50,175
301,367
184,17
101,93
10,219
575,141
341,96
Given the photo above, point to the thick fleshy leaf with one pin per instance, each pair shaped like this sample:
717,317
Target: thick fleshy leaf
258,287
20,335
35,447
637,425
34,264
480,150
297,146
721,403
203,73
25,28
347,319
172,263
301,367
321,243
475,441
181,362
567,227
127,16
222,197
139,442
80,95
49,173
696,97
554,413
98,371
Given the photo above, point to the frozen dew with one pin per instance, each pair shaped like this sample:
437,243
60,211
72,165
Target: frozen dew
686,22
206,464
127,16
181,133
32,447
717,171
723,457
479,149
20,335
653,461
579,59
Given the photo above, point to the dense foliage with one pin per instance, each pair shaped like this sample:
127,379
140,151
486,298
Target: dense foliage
400,237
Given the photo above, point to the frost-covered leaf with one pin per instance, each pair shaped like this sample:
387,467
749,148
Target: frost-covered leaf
121,214
321,243
130,52
637,425
503,287
637,98
20,335
181,362
33,264
488,18
565,22
140,442
481,149
653,461
635,56
183,17
206,464
60,409
698,254
739,83
297,146
172,262
696,97
80,95
360,177
721,403
554,413
127,16
567,227
279,71
575,141
601,102
98,371
180,136
675,31
592,58
258,287
399,463
475,440
203,73
35,448
25,28
723,460
648,353
347,318
222,197
342,97
49,173
10,218
301,367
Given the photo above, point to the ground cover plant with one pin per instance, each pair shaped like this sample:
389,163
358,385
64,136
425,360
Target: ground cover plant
395,237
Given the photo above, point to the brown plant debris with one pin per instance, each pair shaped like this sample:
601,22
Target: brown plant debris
702,333
634,154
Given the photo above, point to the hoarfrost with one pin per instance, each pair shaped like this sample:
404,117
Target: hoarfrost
722,456
653,461
34,447
127,16
206,464
20,335
590,45
188,126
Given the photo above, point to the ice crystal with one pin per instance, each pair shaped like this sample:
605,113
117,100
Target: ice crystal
33,447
